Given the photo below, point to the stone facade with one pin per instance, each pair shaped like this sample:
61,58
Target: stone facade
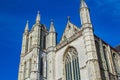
80,55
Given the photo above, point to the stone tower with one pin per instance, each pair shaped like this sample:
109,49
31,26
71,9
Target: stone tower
88,36
32,54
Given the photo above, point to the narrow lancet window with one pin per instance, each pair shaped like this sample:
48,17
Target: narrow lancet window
30,42
30,64
26,47
41,66
24,74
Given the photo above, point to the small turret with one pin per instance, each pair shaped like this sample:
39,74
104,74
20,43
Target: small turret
50,46
51,37
84,13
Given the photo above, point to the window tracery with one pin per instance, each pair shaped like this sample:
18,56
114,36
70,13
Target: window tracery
72,69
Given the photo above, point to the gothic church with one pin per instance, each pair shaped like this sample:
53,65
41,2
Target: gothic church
80,54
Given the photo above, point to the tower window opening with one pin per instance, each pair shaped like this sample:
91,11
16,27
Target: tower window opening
41,66
30,42
24,75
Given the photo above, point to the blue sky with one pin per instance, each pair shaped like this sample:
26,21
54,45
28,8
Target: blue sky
105,16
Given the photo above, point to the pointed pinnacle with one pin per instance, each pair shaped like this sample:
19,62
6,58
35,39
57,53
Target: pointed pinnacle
52,29
27,26
83,4
38,17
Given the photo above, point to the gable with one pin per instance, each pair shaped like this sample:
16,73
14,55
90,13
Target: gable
69,31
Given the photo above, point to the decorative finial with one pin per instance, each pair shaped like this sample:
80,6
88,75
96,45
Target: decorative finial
52,29
68,18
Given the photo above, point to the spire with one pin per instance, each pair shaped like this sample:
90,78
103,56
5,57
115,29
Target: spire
52,29
27,26
83,4
38,17
84,13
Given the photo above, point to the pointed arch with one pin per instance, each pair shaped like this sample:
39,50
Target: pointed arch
67,49
71,64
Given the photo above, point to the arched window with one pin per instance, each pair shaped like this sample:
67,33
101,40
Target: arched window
30,42
106,58
99,55
116,63
24,75
72,69
26,47
41,66
30,66
44,39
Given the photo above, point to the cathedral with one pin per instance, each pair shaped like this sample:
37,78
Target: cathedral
80,54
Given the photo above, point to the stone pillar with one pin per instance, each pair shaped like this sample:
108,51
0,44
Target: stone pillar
51,43
50,64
